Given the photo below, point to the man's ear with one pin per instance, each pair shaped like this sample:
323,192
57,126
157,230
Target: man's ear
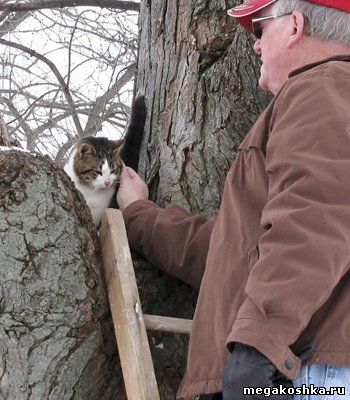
298,28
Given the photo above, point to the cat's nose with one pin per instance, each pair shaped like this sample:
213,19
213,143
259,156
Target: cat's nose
107,183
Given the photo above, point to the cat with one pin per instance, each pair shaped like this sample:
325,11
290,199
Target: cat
95,164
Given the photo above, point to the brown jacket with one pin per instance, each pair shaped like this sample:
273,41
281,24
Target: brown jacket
277,256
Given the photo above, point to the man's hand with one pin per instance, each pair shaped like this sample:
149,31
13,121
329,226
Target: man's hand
131,188
248,368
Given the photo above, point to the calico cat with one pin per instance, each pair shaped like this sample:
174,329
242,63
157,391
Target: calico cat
95,163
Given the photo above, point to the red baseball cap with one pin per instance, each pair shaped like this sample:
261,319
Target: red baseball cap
250,9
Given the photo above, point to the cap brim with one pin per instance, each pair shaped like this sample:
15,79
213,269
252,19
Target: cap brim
247,11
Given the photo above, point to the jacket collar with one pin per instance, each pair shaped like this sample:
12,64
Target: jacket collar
315,64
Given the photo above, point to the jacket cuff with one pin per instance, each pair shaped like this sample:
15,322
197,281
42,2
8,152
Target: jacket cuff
263,338
130,210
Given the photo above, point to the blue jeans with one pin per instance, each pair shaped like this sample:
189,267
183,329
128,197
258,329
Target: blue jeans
326,376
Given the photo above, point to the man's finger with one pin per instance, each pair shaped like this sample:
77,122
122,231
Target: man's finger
131,172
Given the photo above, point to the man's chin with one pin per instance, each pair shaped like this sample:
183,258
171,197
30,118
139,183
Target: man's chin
263,83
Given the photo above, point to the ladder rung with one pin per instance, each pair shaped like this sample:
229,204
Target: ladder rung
167,324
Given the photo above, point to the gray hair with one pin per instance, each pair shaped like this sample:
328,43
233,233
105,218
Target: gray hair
326,23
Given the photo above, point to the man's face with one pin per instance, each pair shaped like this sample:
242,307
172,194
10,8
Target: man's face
273,51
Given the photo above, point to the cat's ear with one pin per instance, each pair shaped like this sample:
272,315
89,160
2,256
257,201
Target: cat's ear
118,144
85,149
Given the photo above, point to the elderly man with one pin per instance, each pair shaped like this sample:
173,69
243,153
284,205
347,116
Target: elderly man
273,267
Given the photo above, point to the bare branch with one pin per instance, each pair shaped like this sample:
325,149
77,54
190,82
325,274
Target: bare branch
63,150
45,4
57,74
94,121
27,129
11,22
94,51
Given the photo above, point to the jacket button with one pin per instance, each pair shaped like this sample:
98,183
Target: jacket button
289,364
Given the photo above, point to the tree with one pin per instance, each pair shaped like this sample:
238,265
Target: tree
66,73
56,336
200,76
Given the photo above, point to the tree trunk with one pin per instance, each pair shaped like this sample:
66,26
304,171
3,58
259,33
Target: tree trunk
4,138
199,74
56,336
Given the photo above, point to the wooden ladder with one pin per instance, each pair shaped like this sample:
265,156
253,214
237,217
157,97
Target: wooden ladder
130,323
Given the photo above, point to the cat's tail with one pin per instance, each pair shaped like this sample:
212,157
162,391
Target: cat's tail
134,134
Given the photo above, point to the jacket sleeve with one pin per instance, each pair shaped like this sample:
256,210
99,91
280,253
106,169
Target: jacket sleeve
170,238
305,247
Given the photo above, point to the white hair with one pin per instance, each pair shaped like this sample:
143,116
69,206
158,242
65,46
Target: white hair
326,23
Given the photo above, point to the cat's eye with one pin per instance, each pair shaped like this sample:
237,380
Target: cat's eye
87,171
93,171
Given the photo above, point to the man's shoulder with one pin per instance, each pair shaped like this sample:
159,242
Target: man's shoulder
334,69
314,92
335,62
316,84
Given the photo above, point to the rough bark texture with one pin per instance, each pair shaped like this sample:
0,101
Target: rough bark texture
199,75
56,338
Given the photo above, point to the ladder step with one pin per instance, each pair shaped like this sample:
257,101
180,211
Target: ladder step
167,324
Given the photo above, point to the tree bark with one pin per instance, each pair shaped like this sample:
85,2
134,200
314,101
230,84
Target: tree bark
56,337
199,75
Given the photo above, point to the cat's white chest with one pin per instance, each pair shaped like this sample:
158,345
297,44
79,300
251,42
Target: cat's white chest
97,200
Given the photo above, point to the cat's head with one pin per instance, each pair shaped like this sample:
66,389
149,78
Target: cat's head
97,163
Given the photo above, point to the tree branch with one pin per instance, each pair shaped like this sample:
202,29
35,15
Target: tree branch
22,123
57,74
96,116
44,4
11,22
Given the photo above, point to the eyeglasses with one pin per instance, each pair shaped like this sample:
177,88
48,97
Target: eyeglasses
256,27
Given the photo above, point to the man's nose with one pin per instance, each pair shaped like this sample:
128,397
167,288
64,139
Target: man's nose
257,47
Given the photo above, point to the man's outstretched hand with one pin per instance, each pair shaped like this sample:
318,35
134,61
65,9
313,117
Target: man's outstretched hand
131,188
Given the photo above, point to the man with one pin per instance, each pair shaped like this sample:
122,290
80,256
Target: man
273,267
